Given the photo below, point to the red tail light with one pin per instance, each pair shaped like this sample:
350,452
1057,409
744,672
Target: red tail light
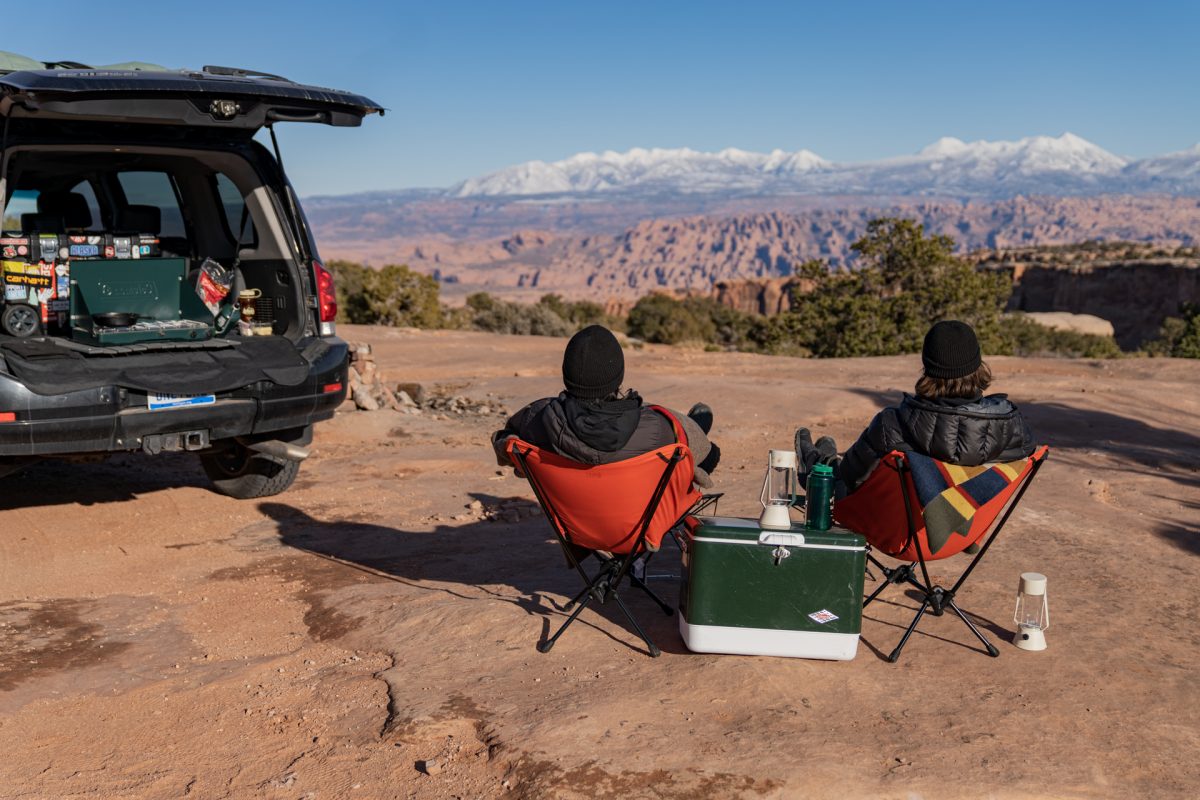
326,296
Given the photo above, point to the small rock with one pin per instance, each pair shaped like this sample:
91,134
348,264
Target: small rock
430,766
365,400
414,390
475,506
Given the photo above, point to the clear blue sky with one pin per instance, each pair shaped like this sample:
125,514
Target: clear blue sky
475,86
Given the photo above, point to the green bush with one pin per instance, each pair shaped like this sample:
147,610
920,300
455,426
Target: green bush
1179,336
393,295
348,280
906,281
500,316
580,313
1021,336
665,320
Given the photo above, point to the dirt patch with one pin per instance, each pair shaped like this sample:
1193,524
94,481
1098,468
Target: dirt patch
373,633
38,638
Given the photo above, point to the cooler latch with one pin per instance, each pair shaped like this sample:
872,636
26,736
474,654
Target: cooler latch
780,553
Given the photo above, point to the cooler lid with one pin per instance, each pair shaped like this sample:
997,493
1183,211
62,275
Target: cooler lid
739,530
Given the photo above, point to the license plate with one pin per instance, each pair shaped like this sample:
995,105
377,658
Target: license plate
159,402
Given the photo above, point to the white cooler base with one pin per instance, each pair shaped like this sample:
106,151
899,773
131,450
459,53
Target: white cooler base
768,642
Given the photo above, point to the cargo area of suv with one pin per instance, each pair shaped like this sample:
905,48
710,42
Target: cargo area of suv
162,290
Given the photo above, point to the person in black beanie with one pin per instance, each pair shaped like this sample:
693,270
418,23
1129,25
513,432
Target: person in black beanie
948,418
596,422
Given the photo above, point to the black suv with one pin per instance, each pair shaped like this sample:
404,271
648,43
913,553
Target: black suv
118,186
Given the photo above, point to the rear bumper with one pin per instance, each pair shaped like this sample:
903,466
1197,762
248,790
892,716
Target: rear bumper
113,419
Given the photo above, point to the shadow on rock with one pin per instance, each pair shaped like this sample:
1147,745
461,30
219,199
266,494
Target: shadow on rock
465,560
114,479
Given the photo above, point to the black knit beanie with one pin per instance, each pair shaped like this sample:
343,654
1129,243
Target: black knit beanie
951,350
593,364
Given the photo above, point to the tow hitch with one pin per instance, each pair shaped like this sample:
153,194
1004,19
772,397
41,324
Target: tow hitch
175,442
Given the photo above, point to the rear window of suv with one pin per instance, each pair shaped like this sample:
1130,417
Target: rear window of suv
239,227
155,189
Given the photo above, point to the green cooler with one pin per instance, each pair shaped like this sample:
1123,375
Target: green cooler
749,591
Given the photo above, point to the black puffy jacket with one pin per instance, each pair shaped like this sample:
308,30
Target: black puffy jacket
964,431
601,432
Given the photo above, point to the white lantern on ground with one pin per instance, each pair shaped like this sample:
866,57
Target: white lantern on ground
779,490
1032,613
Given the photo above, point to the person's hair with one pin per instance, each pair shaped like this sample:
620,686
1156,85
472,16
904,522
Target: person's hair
611,397
972,385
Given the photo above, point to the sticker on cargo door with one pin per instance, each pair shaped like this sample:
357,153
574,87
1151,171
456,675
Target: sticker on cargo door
823,616
157,402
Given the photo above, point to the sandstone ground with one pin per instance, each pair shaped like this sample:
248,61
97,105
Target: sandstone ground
370,634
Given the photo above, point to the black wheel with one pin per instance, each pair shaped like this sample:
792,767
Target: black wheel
244,474
21,321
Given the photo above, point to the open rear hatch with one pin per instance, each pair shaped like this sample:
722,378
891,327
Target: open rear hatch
213,96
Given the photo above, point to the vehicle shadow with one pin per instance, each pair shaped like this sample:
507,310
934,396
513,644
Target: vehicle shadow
118,478
466,560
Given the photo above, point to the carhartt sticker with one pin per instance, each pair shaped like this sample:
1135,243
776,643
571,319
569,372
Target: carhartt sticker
822,616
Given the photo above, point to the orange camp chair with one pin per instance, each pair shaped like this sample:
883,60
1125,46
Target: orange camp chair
946,509
616,511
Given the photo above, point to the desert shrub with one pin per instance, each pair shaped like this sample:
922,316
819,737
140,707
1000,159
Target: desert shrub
1179,337
907,281
393,295
499,316
581,313
348,281
665,320
1021,336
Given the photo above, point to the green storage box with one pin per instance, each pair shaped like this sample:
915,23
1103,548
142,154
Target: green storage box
750,591
156,289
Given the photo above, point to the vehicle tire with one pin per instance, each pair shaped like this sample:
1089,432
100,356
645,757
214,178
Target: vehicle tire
241,473
21,321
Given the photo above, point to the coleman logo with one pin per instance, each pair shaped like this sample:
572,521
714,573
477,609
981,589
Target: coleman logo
823,616
128,289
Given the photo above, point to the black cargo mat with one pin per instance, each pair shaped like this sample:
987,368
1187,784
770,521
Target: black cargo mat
48,368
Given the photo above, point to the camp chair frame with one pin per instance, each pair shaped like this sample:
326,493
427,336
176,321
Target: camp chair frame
936,598
603,586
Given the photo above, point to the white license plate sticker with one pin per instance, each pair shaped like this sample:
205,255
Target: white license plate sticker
159,402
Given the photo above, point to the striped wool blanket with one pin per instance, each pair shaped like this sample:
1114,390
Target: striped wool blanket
950,495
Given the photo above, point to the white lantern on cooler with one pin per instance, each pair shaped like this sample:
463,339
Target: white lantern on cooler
779,490
1032,613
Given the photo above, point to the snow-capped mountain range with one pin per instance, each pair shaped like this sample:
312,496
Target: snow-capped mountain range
1046,165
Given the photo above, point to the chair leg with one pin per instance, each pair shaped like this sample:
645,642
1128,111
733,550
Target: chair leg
992,651
571,603
639,583
891,575
544,647
895,656
650,646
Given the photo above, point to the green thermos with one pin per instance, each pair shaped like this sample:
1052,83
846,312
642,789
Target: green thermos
818,501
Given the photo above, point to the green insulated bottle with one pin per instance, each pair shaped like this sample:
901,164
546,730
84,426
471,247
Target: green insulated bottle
818,502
